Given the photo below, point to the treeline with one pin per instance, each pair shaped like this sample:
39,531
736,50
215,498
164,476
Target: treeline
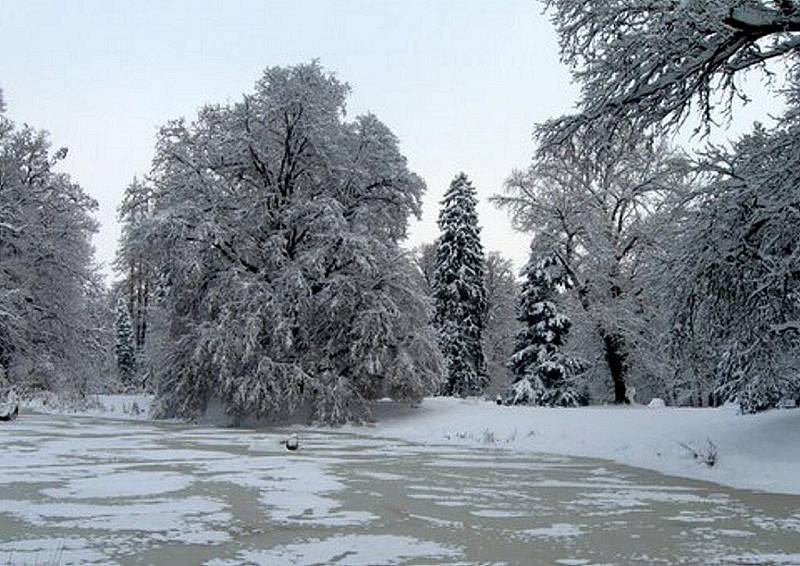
261,266
678,276
54,320
654,271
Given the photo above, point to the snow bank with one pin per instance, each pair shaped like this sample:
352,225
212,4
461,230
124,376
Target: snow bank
759,452
127,407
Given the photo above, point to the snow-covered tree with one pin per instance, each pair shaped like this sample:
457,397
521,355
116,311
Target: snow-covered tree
542,373
274,228
600,211
501,325
459,290
650,62
137,278
425,260
648,66
50,290
124,346
735,271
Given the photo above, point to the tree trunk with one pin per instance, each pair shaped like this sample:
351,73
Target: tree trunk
615,357
144,286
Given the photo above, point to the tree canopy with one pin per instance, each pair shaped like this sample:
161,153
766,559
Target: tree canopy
274,231
650,62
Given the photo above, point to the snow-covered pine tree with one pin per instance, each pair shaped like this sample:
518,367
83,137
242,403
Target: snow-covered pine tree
459,292
124,345
543,374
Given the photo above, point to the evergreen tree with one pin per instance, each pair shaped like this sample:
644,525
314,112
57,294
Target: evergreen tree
459,290
542,372
124,345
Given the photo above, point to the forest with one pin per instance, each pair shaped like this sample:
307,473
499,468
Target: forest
264,267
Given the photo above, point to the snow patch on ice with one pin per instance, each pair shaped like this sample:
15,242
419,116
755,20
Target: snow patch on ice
636,498
196,520
349,550
292,490
556,530
122,484
66,551
498,514
759,559
382,476
769,523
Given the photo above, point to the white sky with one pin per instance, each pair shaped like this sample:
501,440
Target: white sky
460,82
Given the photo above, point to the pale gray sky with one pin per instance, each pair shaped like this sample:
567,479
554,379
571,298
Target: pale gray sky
461,82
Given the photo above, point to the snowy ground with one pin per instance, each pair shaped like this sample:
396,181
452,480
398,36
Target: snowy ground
127,407
760,452
86,490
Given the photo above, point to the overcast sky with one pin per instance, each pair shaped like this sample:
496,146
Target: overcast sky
460,82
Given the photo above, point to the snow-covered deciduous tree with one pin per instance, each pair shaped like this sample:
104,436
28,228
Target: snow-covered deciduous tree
736,268
649,62
459,290
124,346
131,262
501,324
51,295
425,260
274,229
648,66
542,373
138,282
599,211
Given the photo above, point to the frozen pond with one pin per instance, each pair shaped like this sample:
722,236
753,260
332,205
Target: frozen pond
77,490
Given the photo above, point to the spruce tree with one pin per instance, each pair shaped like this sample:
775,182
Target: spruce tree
123,345
459,292
542,373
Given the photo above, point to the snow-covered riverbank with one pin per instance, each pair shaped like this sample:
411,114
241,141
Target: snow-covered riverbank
126,407
759,452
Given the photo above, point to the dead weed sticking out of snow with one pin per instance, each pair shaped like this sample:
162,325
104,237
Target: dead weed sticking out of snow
707,455
487,437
